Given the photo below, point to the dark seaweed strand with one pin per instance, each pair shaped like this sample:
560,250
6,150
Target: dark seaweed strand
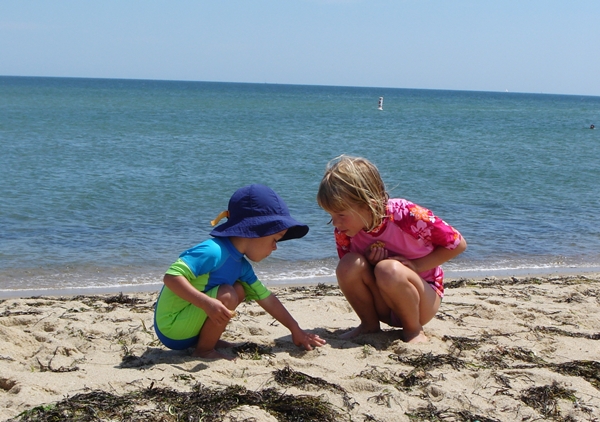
166,405
544,399
289,377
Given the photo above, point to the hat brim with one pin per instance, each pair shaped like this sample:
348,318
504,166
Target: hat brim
261,226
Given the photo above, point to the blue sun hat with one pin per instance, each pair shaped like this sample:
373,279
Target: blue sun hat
257,211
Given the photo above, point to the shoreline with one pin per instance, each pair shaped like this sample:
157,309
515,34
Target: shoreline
308,281
500,349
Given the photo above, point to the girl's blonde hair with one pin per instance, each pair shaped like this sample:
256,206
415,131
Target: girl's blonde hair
353,181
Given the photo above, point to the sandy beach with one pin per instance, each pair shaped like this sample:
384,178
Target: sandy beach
500,349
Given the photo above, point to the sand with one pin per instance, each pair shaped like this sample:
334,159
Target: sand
500,349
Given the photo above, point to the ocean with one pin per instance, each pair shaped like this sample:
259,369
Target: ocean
104,182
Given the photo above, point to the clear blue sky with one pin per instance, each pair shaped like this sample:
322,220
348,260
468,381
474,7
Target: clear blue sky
539,46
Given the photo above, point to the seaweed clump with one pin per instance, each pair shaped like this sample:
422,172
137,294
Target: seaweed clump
165,405
433,414
463,343
252,351
401,381
289,377
428,361
586,369
554,330
545,398
495,358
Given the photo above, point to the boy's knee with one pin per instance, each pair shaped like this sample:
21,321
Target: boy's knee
229,296
240,292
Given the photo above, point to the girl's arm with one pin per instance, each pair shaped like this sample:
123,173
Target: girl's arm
183,288
275,308
437,257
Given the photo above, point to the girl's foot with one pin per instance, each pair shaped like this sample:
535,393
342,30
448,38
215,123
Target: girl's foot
361,329
416,337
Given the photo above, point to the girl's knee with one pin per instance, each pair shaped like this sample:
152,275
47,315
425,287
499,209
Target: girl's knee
351,264
391,274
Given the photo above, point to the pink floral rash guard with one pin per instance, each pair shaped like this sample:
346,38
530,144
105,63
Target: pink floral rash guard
408,230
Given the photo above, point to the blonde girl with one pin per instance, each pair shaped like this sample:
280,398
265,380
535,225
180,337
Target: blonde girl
390,250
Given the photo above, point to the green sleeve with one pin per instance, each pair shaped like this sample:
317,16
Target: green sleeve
255,291
180,268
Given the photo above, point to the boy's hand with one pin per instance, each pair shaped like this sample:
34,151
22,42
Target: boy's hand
218,312
307,340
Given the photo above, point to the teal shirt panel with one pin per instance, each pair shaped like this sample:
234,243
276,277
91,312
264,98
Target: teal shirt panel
210,264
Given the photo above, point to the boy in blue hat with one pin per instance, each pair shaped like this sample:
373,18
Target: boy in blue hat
207,283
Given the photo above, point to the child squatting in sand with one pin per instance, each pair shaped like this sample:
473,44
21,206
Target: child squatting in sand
390,250
207,283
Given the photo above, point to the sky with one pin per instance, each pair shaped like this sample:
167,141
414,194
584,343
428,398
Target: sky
535,46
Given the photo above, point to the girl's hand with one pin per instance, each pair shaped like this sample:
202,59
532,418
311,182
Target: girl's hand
376,252
218,312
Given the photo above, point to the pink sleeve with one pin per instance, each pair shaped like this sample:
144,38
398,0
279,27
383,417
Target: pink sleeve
342,242
421,223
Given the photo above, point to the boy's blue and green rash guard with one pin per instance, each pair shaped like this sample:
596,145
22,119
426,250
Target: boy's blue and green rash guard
211,263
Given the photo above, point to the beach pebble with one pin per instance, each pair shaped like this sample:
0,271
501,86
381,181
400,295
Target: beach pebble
436,393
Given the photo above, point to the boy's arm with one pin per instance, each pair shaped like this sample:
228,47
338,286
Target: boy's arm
275,308
214,308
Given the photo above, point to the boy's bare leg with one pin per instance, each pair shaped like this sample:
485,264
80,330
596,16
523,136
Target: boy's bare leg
357,283
409,296
210,334
207,342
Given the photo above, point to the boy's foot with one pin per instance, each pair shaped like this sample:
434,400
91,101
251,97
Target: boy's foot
211,354
222,344
361,329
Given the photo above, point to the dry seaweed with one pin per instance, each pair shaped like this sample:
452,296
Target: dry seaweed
586,369
122,299
48,367
97,301
466,416
401,381
384,398
463,343
166,405
323,289
455,284
289,377
320,289
433,414
496,358
545,398
427,361
252,351
555,330
8,313
512,281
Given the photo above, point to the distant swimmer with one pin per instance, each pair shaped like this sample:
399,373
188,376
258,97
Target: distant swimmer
592,127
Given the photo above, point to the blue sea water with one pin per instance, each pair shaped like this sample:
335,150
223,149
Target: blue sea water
104,182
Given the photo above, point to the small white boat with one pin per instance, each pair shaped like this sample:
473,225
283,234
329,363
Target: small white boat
380,107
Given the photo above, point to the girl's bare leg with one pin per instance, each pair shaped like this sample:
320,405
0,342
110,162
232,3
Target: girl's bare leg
357,283
211,331
409,296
